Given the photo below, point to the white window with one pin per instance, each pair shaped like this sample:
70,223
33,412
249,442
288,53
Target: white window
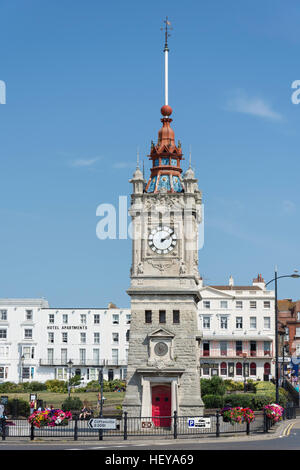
128,319
92,373
115,319
27,333
83,319
25,373
115,356
3,315
65,318
206,322
51,318
26,351
267,323
224,304
253,323
239,323
29,315
82,356
3,334
3,373
298,315
224,323
297,332
50,337
97,338
96,356
50,355
115,337
83,338
64,356
96,319
267,304
64,337
252,303
4,352
61,373
206,304
239,304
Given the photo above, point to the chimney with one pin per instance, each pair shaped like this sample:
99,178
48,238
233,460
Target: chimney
259,281
231,281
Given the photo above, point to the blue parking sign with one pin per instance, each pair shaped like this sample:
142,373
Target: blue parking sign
191,423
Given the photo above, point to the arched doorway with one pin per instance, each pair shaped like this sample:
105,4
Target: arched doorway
161,405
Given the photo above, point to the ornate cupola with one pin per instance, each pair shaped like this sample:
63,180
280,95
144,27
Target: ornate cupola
165,155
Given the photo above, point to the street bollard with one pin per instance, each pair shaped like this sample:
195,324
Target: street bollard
3,428
76,428
32,432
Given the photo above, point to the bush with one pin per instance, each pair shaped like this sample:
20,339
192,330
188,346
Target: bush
240,399
17,407
72,403
233,385
264,387
213,386
108,386
58,386
33,386
213,401
9,387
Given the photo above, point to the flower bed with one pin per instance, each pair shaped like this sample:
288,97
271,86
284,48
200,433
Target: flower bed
50,418
237,415
274,412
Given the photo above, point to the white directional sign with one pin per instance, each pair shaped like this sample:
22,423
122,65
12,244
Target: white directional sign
199,423
102,423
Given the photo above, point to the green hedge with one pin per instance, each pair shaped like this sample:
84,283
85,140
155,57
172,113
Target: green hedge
72,403
213,386
17,407
56,386
213,401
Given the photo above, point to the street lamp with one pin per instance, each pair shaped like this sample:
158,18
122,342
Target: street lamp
244,371
295,276
70,365
22,364
100,379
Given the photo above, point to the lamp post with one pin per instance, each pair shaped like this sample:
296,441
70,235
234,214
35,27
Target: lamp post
22,364
244,370
100,378
70,365
276,323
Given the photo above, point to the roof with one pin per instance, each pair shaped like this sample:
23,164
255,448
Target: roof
237,287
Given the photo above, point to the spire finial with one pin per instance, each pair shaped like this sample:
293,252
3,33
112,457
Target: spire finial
166,51
167,34
138,158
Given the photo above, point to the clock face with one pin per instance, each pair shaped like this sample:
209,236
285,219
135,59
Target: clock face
161,349
162,240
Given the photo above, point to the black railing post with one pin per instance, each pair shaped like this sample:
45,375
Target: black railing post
76,428
125,425
175,424
32,432
218,424
3,427
247,428
265,422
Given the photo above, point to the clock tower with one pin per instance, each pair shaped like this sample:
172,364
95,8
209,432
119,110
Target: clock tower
163,373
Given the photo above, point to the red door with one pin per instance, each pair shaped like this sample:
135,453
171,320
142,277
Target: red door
161,405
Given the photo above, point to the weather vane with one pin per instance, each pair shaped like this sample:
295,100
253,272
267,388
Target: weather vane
166,29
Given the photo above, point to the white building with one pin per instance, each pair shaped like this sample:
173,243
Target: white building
238,325
37,342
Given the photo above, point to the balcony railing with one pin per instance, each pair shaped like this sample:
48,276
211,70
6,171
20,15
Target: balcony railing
83,362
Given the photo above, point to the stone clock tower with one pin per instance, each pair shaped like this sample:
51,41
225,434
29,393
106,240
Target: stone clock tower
163,373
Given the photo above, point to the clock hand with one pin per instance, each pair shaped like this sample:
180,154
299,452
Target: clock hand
166,238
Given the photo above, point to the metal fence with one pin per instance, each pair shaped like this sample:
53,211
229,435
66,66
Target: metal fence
171,427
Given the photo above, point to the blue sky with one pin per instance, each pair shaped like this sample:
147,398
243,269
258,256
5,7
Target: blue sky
84,89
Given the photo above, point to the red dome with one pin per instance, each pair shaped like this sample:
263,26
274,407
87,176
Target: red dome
166,110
